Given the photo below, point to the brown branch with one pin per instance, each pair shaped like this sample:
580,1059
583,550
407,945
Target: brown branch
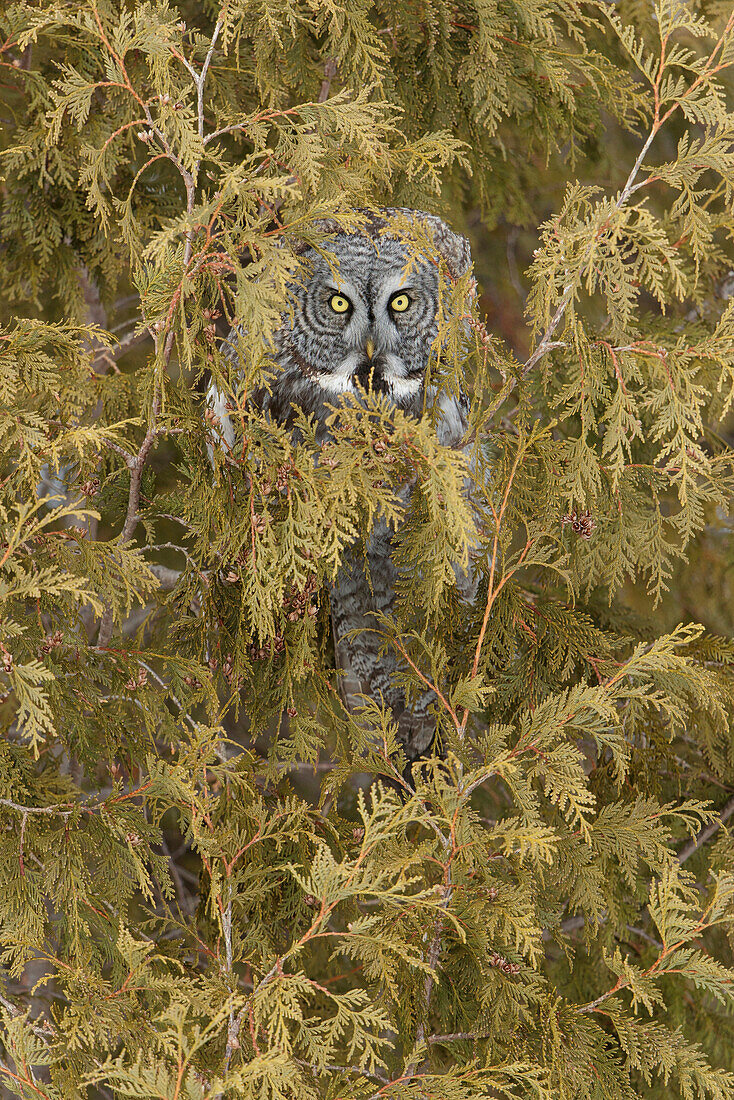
330,71
435,950
269,115
424,679
136,476
107,357
127,458
136,466
493,592
44,1032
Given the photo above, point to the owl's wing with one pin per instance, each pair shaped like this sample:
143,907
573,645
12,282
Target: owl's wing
218,399
223,428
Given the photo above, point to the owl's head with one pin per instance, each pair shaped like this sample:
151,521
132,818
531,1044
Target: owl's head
365,309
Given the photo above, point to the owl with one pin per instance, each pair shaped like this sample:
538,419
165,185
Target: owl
364,316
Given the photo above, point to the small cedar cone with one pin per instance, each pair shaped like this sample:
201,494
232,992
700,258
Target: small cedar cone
583,523
274,646
503,964
326,458
235,682
51,641
297,601
283,476
133,684
90,488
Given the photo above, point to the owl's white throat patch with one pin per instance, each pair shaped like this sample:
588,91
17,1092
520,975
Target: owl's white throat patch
335,383
393,376
403,387
398,386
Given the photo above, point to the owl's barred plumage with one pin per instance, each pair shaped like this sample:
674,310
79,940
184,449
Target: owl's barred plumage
364,315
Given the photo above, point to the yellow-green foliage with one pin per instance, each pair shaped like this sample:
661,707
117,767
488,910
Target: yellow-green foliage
214,880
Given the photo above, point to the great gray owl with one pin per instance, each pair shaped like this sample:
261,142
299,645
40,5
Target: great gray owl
367,318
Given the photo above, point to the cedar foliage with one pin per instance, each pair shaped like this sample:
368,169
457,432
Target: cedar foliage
214,881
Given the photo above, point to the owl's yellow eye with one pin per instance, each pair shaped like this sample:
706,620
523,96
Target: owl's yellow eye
399,303
339,303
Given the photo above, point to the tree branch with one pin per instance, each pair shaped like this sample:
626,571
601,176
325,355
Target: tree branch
330,71
546,340
697,841
136,467
457,1035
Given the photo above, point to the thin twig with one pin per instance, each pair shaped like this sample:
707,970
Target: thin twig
60,808
44,1033
330,71
433,957
111,355
697,841
127,458
458,1035
136,466
201,79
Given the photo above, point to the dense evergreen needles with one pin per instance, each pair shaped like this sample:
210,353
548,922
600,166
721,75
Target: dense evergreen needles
214,881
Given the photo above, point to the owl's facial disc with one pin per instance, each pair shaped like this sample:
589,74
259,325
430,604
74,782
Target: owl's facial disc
365,319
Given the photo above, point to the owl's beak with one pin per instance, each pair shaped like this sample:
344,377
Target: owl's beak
370,348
